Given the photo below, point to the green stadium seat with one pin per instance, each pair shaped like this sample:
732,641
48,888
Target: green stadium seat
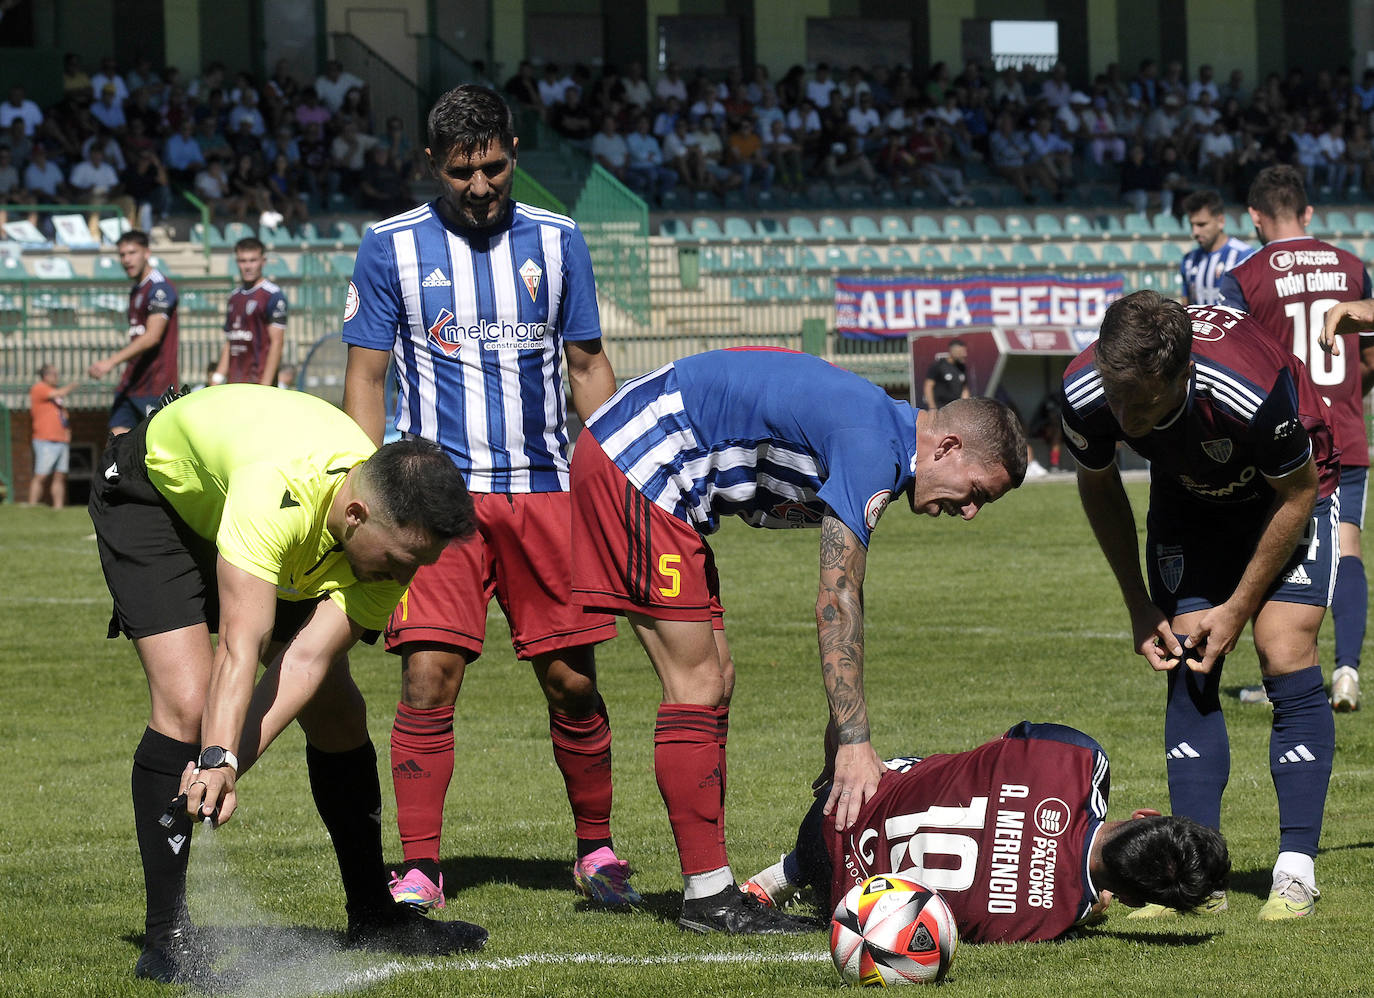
992,256
962,256
1048,225
738,228
867,257
929,256
801,227
1317,225
925,226
12,269
1017,226
899,258
1023,256
1136,224
274,267
811,260
200,229
1110,224
235,231
313,265
1050,253
833,227
1164,223
957,227
837,258
1081,254
1076,224
769,228
1112,253
342,263
894,227
672,228
779,288
863,227
1143,253
988,226
814,289
706,228
346,234
743,288
107,268
773,257
1364,223
1338,223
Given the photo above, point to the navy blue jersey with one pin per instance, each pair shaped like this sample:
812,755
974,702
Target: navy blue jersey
774,437
1250,412
475,323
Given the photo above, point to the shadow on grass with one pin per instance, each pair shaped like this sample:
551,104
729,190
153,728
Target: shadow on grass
1159,938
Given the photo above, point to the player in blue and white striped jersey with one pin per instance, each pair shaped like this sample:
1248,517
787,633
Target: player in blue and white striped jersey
1202,269
477,300
780,439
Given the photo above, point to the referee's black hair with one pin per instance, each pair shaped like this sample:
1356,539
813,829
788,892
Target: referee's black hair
466,120
1166,859
417,485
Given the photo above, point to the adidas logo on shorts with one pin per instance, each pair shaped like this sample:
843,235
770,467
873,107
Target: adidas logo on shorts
436,279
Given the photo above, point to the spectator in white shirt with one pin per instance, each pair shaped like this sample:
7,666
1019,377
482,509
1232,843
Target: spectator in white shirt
109,145
42,177
1204,84
109,109
864,118
680,153
637,92
854,84
1053,155
786,155
552,87
609,148
818,89
1216,153
645,170
19,107
247,110
109,74
1006,88
671,84
706,103
768,112
334,84
94,177
1057,90
1331,142
1204,113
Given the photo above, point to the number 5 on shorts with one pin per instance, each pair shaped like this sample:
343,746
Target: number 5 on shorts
673,575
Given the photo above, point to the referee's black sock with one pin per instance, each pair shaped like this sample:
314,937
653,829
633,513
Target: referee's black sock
348,796
166,852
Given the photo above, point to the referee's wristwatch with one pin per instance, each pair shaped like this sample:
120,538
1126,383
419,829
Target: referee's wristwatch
217,757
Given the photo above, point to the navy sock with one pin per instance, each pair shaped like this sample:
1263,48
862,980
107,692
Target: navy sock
1197,752
1301,745
166,852
1349,607
348,796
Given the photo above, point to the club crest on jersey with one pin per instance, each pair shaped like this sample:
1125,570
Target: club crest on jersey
251,307
1219,451
875,506
351,303
530,273
1169,561
443,327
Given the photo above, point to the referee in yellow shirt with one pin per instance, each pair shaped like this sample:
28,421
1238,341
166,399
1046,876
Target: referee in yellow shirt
270,518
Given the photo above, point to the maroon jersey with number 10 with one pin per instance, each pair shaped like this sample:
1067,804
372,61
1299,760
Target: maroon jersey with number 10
1288,285
1003,832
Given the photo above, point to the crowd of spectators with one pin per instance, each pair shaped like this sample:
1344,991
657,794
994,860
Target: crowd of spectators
267,151
1156,135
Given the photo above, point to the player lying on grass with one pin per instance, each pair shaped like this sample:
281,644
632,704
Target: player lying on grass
270,518
1013,834
780,439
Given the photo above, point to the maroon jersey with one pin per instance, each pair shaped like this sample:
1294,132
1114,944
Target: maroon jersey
1003,832
251,311
1288,285
1251,412
153,371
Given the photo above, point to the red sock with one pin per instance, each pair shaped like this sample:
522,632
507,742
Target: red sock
421,768
687,754
582,750
722,731
1054,457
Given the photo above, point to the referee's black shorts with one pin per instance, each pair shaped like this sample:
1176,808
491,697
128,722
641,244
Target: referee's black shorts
159,571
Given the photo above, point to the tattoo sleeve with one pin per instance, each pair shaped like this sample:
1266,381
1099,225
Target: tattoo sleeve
840,628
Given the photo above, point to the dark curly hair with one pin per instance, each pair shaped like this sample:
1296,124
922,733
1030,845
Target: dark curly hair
1166,859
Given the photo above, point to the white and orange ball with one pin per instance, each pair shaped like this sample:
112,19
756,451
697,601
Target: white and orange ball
892,930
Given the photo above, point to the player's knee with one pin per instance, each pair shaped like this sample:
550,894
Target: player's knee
431,677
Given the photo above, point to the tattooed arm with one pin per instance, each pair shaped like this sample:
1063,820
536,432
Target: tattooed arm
840,628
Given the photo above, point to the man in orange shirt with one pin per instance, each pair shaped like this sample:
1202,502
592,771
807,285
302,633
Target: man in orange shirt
51,436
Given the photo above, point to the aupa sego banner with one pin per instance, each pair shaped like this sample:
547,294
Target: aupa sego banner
874,308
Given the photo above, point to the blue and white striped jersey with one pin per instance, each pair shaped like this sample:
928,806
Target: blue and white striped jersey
475,323
1201,271
771,436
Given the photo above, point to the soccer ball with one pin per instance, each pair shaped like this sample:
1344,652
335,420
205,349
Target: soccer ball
892,930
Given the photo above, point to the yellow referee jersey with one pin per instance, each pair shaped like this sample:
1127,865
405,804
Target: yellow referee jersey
255,469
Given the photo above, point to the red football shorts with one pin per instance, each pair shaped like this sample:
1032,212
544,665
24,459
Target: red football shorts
630,555
521,555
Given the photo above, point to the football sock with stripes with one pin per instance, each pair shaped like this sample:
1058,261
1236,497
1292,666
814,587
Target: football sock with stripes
582,751
348,795
1301,745
166,852
1197,752
1349,608
421,770
687,766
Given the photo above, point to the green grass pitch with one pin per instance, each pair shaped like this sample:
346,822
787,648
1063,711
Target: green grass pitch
971,627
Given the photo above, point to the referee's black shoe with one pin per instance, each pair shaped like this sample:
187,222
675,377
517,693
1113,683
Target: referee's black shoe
738,913
173,958
402,928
